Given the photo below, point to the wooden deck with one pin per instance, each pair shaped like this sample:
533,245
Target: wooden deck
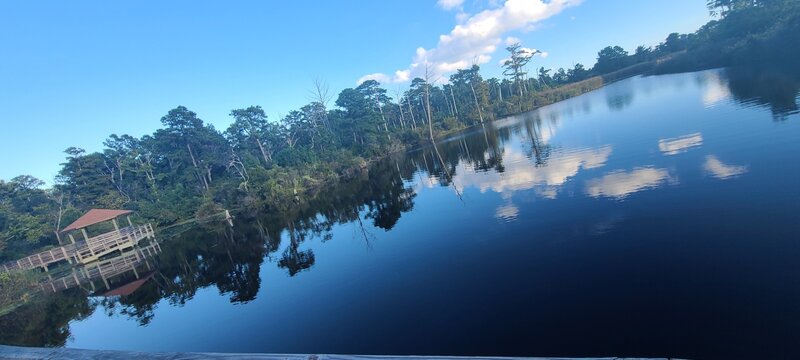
86,251
100,245
14,352
102,270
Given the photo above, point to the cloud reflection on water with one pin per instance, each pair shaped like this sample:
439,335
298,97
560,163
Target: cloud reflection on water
619,184
520,174
680,144
720,170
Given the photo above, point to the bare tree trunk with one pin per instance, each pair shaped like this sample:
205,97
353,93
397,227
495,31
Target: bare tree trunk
191,154
500,91
59,217
411,111
477,105
197,169
402,118
449,108
427,112
385,124
525,84
241,170
455,107
263,152
322,96
428,101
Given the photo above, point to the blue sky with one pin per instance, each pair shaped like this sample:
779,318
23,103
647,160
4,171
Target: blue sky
74,72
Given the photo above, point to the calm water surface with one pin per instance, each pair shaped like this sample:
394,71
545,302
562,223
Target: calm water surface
658,216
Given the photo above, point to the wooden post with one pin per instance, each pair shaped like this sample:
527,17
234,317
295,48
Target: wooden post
75,276
65,255
129,220
105,281
71,238
116,226
86,237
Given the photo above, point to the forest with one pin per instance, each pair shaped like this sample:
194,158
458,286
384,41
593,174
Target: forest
189,169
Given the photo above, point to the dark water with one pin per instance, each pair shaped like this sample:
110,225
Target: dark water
658,216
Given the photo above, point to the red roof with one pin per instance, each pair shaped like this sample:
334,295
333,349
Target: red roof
95,216
128,288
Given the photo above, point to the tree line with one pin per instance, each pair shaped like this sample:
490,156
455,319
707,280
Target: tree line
188,167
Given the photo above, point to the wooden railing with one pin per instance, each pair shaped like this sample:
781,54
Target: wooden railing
84,251
103,244
103,269
41,259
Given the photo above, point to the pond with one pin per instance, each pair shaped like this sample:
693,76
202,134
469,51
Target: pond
657,216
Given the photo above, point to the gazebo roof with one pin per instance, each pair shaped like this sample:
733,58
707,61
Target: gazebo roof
95,216
128,288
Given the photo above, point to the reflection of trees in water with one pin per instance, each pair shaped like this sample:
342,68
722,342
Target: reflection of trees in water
392,200
537,149
774,87
619,102
293,259
45,321
230,258
619,95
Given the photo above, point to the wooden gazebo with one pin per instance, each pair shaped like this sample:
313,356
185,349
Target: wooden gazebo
95,216
101,244
88,248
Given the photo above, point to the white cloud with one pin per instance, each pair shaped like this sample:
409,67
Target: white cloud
449,4
680,144
475,38
399,76
402,75
512,40
379,77
619,184
720,170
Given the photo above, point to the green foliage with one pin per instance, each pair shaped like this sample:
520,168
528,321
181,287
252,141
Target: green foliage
611,59
15,290
282,164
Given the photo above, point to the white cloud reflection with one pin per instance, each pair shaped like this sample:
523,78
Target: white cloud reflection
720,170
520,174
508,212
716,89
619,184
680,144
